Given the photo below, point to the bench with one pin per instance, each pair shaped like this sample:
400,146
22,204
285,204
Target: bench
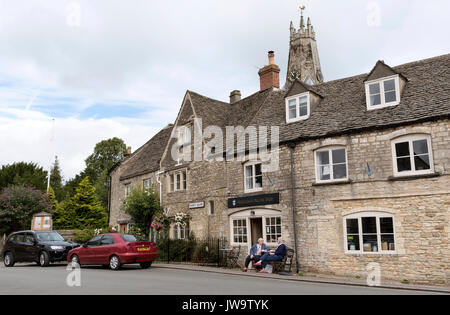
284,265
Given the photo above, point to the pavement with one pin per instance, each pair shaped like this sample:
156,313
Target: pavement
172,280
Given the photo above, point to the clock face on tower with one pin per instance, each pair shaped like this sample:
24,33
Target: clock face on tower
294,75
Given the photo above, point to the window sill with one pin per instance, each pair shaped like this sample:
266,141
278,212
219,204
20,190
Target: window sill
413,177
344,182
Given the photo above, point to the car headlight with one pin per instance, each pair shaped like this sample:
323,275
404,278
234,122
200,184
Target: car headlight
56,247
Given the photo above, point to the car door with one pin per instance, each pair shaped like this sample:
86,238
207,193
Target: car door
90,252
29,247
105,250
19,247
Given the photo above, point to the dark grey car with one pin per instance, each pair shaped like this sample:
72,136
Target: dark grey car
42,247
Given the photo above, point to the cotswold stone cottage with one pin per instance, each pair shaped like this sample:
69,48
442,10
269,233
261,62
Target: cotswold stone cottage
363,177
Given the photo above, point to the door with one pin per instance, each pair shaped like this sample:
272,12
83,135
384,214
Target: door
105,250
19,247
29,248
123,228
88,254
256,229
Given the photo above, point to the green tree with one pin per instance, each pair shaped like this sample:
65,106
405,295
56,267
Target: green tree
18,204
141,205
22,173
52,199
56,180
83,210
107,153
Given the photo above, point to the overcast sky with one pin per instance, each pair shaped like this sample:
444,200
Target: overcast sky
105,68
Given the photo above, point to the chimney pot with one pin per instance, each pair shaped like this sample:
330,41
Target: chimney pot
235,96
269,76
129,151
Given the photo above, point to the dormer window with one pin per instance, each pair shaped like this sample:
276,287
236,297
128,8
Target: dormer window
383,93
297,107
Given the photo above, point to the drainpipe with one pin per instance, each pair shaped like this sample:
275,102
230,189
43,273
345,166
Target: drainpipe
294,212
158,179
109,199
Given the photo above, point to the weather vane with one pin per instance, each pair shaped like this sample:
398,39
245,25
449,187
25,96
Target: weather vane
302,8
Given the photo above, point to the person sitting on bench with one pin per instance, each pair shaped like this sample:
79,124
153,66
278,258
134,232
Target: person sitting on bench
278,255
256,252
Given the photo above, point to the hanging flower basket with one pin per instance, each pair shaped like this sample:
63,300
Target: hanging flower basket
181,219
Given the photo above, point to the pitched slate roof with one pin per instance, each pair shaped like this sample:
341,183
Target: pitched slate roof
343,109
146,159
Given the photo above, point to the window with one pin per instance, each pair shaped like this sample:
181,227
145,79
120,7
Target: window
178,181
383,93
297,108
370,233
331,164
107,240
181,233
240,231
412,155
147,184
94,241
211,207
253,177
273,229
128,238
127,190
172,182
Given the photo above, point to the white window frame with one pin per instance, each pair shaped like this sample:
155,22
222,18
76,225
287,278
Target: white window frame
297,98
177,232
382,93
359,217
145,181
254,189
410,139
127,190
247,216
182,182
330,149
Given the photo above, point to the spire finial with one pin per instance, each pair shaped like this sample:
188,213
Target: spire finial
302,21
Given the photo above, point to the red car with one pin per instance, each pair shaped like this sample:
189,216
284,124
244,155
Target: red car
114,250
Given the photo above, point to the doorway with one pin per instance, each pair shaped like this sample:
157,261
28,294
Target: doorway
256,229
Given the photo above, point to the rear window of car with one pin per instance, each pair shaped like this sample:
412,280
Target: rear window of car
128,238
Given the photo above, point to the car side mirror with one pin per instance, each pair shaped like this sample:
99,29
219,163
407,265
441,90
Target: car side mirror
84,245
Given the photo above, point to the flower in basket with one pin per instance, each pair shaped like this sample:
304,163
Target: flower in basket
181,219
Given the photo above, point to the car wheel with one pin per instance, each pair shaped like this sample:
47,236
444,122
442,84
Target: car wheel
44,259
114,263
8,260
75,260
146,265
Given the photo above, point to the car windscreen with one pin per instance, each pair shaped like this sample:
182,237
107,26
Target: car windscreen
128,238
49,237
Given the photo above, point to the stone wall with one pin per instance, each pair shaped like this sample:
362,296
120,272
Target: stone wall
420,206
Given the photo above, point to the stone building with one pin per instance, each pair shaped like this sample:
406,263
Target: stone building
363,167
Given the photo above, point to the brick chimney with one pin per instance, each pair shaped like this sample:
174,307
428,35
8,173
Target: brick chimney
269,76
235,96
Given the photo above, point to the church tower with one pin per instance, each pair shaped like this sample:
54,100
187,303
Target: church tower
304,63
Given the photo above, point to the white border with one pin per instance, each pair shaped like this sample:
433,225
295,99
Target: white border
377,215
297,97
382,94
410,138
330,149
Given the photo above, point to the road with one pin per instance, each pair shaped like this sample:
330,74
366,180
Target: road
32,279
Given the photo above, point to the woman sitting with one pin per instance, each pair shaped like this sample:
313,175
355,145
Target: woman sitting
278,255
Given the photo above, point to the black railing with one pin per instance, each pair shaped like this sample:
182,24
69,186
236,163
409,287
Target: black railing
206,252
